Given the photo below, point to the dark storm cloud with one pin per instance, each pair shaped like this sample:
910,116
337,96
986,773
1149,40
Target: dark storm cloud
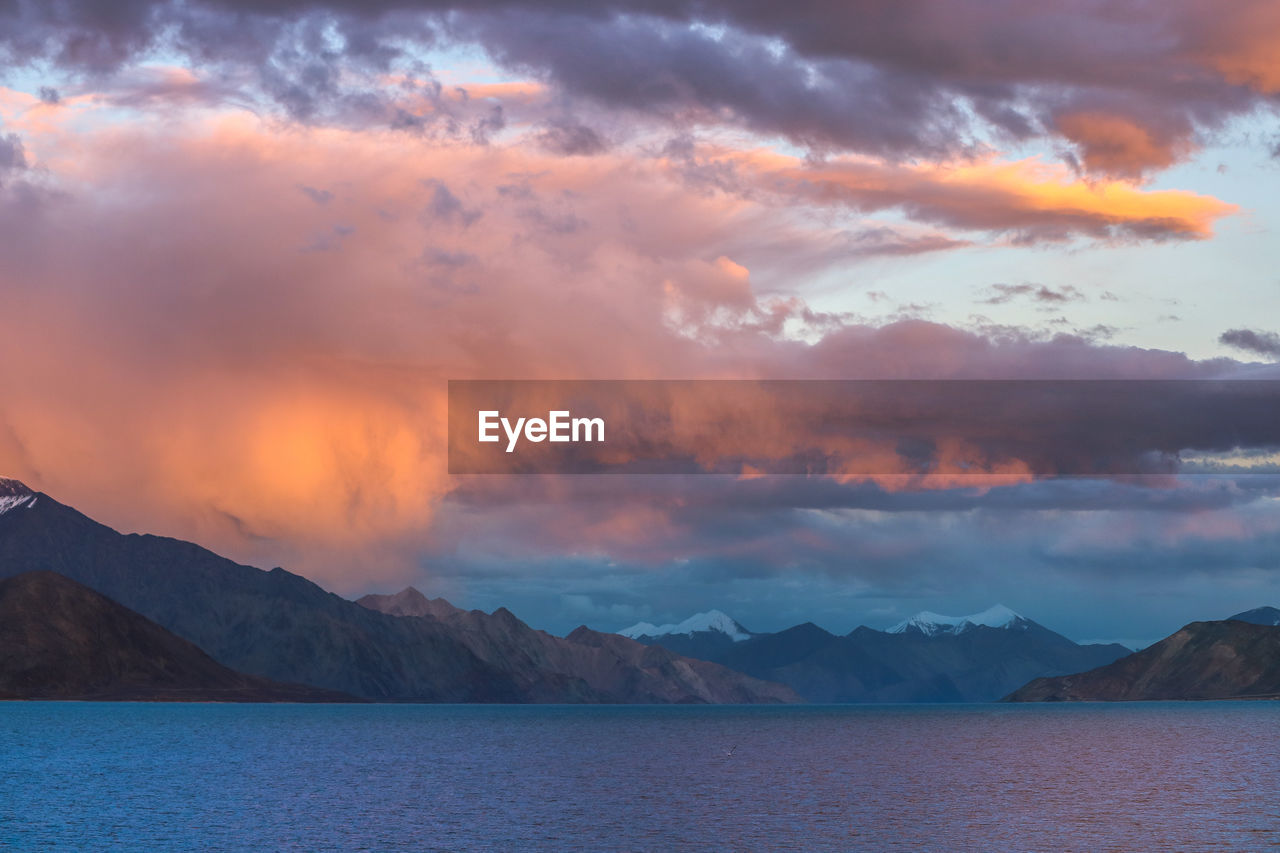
1249,340
1130,86
682,74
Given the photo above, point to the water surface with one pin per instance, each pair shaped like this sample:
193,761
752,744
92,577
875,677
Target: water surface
131,776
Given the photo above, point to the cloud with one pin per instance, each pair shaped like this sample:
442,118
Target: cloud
1249,340
1114,144
571,139
13,157
444,206
650,200
1027,200
1005,293
1129,89
287,406
319,196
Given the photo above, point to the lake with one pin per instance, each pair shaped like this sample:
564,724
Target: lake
141,776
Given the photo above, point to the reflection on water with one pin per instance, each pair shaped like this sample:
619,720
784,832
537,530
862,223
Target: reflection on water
1084,777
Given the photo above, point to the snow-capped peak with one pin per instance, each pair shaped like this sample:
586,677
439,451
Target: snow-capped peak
931,624
15,494
10,487
712,620
12,502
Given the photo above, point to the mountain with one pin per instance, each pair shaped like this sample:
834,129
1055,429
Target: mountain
927,658
277,625
932,624
973,661
1205,660
674,668
823,667
712,621
61,640
703,635
1259,616
409,602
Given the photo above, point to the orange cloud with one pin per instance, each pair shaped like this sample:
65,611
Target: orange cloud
1025,197
1243,46
247,329
1117,145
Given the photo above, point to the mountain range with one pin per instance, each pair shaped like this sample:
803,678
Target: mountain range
280,626
926,658
87,612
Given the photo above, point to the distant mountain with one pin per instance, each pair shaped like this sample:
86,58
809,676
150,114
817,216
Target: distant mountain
927,658
823,667
61,640
932,624
728,686
711,621
1231,659
1259,616
703,635
409,602
281,626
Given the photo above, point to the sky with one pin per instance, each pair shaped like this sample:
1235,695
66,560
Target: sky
245,243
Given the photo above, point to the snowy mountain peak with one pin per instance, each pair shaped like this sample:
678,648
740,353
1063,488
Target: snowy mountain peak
712,620
931,624
14,488
14,494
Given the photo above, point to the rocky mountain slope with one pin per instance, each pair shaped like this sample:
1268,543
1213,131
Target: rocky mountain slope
61,640
1205,660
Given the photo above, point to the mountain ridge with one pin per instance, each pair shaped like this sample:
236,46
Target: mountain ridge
710,620
930,624
409,602
928,657
60,639
1259,616
1227,659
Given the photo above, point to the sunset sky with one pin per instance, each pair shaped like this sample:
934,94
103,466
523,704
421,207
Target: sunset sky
244,244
